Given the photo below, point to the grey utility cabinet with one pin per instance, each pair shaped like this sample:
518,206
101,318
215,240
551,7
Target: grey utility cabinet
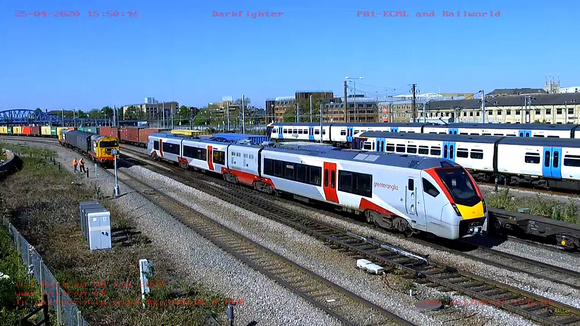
96,225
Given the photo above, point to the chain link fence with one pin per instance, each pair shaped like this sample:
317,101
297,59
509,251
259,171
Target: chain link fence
67,312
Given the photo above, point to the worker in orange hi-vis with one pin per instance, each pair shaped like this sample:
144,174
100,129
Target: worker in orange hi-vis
82,165
75,162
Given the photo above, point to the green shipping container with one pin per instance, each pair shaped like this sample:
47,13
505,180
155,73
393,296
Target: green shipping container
10,130
53,131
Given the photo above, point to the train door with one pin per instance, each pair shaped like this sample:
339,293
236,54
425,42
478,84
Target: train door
381,145
394,129
280,134
552,165
349,134
310,133
414,201
329,182
524,133
449,151
453,131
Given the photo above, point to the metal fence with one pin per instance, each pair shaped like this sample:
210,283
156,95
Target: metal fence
67,312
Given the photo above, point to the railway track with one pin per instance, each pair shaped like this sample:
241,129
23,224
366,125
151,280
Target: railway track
328,296
423,270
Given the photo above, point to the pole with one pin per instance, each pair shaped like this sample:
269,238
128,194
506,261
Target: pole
354,101
565,112
413,105
171,108
483,105
425,111
228,113
243,114
62,117
310,108
163,109
345,104
116,179
297,112
321,123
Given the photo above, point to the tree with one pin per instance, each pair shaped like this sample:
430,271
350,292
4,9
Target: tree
95,113
81,114
107,112
132,113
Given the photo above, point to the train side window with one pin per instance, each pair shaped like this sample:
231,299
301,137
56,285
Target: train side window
343,132
326,177
332,179
171,148
285,131
429,188
436,150
345,181
498,134
485,133
444,151
268,166
301,173
363,184
553,136
294,131
462,152
539,136
477,154
300,131
289,171
451,151
572,160
547,159
314,173
156,144
411,184
219,157
556,159
424,150
463,133
400,148
533,158
390,147
367,145
412,149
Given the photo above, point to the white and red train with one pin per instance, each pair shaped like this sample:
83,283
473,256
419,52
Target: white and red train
405,193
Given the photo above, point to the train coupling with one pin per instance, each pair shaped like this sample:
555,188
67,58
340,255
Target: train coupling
471,227
567,242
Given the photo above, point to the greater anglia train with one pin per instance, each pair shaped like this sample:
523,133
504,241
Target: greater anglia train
406,193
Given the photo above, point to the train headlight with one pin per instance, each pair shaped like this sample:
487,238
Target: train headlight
456,210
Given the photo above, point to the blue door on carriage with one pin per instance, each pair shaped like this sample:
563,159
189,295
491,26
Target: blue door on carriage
349,133
449,150
310,133
552,162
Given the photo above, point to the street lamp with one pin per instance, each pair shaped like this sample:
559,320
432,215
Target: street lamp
354,91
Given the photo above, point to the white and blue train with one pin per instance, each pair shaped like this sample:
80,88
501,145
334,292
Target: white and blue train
549,162
405,193
343,133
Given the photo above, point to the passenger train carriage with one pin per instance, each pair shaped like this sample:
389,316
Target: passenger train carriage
405,193
543,161
343,133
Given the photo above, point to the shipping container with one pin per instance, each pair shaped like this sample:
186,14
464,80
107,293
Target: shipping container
35,131
129,135
94,130
186,132
45,131
26,130
10,130
112,132
3,130
53,132
17,130
144,135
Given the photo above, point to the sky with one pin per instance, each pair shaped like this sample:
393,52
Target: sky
185,51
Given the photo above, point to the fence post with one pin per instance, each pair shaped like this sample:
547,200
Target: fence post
79,318
59,165
58,314
29,268
40,277
87,173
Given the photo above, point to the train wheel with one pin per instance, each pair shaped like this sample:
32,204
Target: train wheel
183,165
370,217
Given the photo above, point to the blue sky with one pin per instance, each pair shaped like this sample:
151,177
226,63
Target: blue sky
177,50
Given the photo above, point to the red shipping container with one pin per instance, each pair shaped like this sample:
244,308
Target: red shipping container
130,135
144,135
112,132
26,130
35,131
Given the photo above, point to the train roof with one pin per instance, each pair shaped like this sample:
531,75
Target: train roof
80,133
397,160
437,137
545,142
375,124
517,126
233,137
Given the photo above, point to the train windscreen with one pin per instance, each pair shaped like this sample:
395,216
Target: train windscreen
460,186
105,144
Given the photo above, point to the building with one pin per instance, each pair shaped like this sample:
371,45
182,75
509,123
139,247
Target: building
283,104
540,108
152,112
270,107
151,100
399,108
515,91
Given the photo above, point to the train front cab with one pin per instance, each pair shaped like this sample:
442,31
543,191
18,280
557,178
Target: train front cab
463,211
102,149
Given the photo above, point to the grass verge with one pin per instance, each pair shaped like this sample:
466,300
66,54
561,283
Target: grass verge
43,204
567,212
